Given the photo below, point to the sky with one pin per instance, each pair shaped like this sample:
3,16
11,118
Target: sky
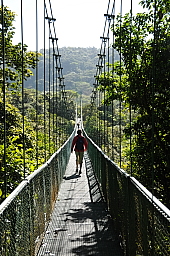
79,23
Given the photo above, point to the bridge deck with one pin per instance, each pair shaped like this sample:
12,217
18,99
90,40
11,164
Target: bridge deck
80,224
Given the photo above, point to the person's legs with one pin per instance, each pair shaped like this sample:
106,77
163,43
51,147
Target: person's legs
80,160
77,160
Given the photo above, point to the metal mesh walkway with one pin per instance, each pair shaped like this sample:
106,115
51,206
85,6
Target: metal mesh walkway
80,224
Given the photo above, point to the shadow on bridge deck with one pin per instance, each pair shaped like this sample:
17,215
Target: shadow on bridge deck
80,223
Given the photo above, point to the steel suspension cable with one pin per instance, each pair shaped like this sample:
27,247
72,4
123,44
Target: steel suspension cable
130,107
98,73
63,92
109,17
4,101
22,80
45,148
113,60
56,104
53,97
153,84
102,65
104,40
49,19
53,38
108,79
60,78
49,92
100,100
36,42
104,94
120,97
95,96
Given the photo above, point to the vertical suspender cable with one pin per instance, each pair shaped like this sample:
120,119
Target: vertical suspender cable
98,113
62,109
120,98
55,40
100,109
61,84
59,106
56,101
4,98
108,70
99,97
112,104
130,107
22,79
104,65
99,116
153,90
53,98
49,91
37,83
153,118
45,148
109,17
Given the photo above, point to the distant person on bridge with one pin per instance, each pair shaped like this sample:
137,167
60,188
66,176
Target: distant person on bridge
79,145
78,125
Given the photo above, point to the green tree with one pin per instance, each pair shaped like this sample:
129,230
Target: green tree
143,41
16,62
14,157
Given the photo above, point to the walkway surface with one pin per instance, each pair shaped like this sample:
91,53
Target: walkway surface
80,223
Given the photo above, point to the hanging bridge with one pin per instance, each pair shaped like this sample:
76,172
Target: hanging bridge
55,211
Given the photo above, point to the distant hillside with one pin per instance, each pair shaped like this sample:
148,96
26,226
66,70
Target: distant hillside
79,68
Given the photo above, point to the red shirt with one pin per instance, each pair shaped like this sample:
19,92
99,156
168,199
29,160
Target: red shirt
74,143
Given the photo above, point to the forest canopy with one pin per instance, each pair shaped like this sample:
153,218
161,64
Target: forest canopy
143,42
25,141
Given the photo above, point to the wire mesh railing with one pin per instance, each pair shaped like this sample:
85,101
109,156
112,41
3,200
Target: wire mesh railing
141,220
24,215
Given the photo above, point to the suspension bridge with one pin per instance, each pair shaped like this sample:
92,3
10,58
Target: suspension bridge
105,210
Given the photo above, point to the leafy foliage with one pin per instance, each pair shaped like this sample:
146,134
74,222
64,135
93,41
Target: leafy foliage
141,83
17,60
14,171
79,67
32,125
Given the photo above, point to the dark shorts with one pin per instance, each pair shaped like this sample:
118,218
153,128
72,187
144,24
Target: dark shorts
79,156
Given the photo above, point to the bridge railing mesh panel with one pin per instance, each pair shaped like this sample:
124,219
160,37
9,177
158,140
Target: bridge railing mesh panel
140,219
25,214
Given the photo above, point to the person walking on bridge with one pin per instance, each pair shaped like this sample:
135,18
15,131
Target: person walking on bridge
79,144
